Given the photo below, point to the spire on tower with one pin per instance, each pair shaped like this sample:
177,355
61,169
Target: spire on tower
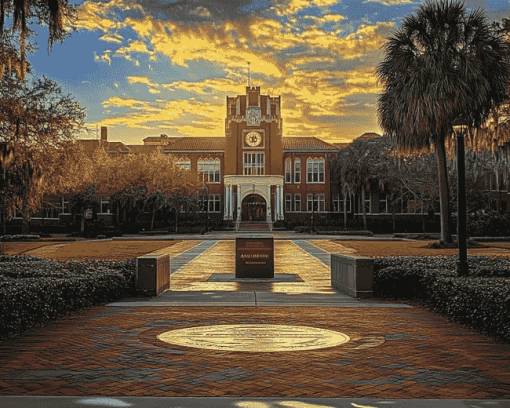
249,76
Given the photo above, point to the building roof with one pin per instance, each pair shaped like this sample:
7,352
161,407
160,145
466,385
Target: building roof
341,145
366,136
143,149
307,144
196,143
91,145
117,147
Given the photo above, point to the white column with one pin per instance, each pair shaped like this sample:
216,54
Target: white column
225,203
269,203
231,202
278,192
276,207
281,202
238,203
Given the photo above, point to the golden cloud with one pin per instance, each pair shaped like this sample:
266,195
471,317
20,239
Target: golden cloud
117,102
117,39
296,5
94,16
142,80
143,114
391,2
218,85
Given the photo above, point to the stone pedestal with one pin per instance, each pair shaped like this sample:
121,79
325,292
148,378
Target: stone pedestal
254,257
352,275
153,273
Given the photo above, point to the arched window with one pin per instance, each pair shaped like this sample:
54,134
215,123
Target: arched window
184,163
210,170
315,171
297,171
288,171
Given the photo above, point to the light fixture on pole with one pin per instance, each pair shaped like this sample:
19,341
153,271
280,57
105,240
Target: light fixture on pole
459,127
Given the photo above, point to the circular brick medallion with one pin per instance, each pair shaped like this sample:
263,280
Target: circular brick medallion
254,337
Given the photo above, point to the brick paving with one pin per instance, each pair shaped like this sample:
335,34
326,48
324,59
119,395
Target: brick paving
392,353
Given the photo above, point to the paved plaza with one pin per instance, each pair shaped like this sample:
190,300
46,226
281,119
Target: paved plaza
390,351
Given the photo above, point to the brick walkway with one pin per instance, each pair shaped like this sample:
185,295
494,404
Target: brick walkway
392,353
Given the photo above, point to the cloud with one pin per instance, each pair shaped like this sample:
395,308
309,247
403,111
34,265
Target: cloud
297,5
144,114
117,39
105,57
391,2
301,62
218,85
141,80
97,16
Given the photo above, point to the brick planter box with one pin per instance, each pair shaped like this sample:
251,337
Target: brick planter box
353,275
153,273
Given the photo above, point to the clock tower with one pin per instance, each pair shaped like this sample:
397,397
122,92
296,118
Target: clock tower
253,124
254,155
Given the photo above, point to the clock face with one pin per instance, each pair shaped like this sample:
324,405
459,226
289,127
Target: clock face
253,139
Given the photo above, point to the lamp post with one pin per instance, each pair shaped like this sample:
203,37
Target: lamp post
459,124
313,212
205,194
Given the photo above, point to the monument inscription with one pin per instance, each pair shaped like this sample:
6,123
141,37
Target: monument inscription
254,257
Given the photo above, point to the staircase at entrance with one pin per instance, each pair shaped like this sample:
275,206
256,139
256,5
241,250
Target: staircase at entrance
245,226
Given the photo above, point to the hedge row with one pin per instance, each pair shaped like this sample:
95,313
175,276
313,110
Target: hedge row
20,238
481,300
34,290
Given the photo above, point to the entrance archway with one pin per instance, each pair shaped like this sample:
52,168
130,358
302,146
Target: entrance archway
253,208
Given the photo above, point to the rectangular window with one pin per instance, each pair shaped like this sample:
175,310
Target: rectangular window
318,202
335,203
65,206
253,164
288,202
367,203
297,171
321,203
210,171
383,203
105,205
214,202
297,202
492,182
504,206
338,203
288,172
309,201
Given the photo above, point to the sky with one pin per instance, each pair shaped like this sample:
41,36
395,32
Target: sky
147,67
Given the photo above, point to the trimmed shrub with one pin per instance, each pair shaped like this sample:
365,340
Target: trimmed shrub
34,291
481,300
20,238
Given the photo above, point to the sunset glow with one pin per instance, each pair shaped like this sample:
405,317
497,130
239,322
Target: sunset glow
152,68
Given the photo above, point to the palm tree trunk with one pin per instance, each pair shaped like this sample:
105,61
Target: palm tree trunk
393,214
363,206
153,215
345,212
444,194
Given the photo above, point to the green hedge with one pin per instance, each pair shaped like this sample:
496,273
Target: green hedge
481,300
34,291
20,238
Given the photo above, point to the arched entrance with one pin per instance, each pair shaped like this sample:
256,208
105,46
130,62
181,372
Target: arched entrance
253,208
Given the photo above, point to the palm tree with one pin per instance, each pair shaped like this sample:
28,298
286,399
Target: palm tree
441,63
